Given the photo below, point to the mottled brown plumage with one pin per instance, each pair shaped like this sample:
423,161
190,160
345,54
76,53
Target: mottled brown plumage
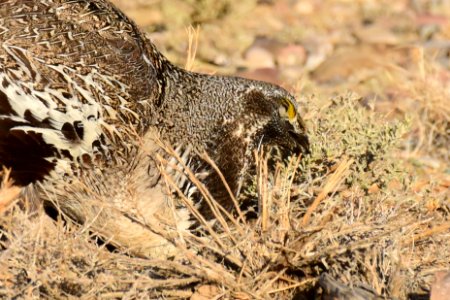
84,97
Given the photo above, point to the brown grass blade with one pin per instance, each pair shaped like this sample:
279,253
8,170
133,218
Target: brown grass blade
330,185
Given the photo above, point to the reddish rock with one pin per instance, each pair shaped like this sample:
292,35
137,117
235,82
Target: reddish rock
440,290
264,74
258,57
292,55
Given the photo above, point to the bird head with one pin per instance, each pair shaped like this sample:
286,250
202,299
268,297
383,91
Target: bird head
277,121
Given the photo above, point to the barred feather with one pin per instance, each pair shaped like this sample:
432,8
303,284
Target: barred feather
85,98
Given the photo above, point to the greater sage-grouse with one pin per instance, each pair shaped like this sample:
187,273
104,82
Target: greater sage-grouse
86,98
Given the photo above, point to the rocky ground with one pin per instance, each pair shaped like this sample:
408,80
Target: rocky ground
370,208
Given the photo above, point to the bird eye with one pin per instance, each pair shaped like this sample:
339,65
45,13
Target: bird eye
289,109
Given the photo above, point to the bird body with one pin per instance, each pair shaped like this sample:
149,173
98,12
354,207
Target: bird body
86,98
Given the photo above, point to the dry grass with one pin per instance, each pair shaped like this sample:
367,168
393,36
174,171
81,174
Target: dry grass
193,35
8,192
364,207
320,213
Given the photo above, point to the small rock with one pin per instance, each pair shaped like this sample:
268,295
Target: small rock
221,60
336,290
292,55
440,290
257,57
373,189
319,49
304,8
271,75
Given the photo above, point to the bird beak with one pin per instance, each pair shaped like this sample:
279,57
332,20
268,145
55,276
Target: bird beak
299,137
301,142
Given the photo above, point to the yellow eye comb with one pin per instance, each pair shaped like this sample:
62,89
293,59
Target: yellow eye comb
290,109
